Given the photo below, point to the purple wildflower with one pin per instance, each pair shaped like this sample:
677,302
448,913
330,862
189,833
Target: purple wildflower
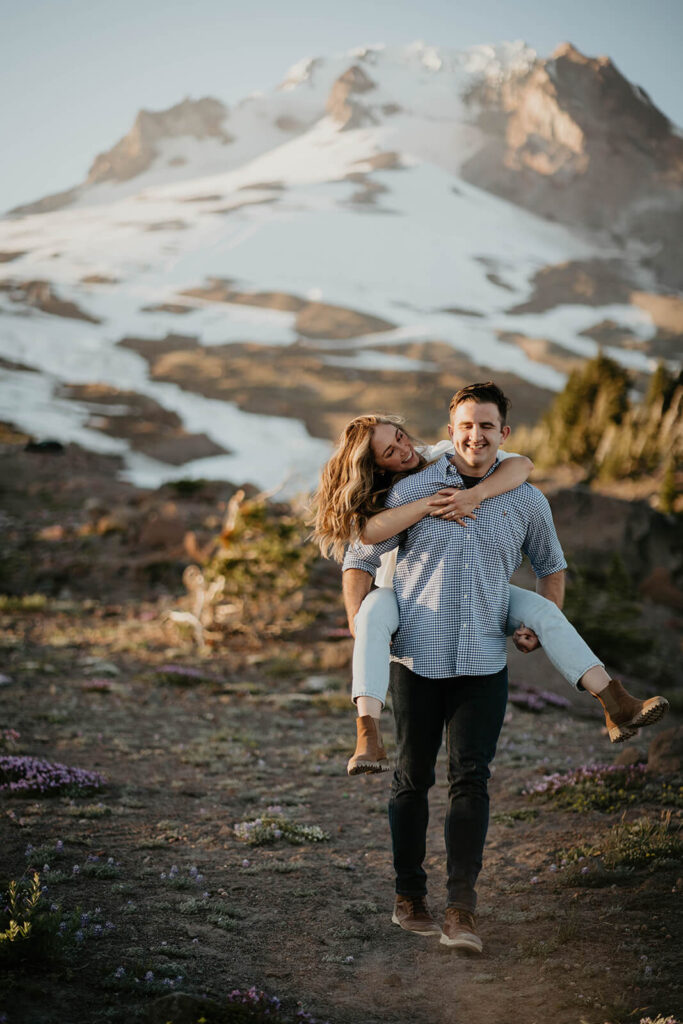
20,775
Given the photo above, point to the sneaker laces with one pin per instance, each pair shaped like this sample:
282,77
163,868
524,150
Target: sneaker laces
418,905
463,917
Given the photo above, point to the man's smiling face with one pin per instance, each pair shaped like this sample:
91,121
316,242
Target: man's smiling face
477,432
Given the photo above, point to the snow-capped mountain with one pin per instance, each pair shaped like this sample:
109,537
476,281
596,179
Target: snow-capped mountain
384,225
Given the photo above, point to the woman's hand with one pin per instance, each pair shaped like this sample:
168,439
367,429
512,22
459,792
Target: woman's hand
525,640
453,504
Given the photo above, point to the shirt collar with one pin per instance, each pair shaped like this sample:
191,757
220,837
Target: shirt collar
444,465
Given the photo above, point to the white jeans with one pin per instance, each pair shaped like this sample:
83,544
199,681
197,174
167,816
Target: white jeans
377,621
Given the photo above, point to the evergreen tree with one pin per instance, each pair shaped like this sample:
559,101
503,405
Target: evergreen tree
668,492
662,387
594,397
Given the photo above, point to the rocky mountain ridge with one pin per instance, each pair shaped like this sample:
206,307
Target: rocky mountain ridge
575,141
568,137
386,225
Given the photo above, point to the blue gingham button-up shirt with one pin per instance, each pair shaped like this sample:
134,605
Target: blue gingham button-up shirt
452,582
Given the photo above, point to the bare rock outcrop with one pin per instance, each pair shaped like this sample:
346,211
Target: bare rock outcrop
48,204
665,753
146,425
41,295
314,319
586,282
221,290
320,320
575,141
342,107
133,154
593,526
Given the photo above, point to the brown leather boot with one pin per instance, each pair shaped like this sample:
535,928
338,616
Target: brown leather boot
412,914
369,755
460,931
625,714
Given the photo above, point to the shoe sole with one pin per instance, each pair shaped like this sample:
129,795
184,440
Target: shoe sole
413,931
368,767
619,733
474,945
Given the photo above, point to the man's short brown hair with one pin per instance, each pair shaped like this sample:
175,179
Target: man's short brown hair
481,393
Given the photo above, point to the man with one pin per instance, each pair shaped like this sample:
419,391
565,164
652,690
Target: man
449,653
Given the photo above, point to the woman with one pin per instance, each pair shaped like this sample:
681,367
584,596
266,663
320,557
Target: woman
373,452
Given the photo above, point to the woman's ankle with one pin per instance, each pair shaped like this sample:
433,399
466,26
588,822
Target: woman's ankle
595,680
369,706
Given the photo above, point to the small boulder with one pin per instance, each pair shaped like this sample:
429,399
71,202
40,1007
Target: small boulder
665,754
630,755
162,530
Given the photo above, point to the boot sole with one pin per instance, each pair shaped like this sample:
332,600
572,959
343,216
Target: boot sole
413,931
473,945
367,767
619,733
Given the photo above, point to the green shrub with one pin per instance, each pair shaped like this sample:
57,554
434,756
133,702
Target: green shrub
631,844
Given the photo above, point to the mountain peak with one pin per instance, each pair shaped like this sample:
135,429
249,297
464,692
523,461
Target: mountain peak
570,52
136,151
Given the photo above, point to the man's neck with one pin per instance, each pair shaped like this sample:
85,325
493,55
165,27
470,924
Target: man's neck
465,470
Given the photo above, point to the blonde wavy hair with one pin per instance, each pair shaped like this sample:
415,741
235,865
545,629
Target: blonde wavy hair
352,487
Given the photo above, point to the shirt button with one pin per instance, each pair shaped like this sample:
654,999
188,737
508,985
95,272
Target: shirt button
467,565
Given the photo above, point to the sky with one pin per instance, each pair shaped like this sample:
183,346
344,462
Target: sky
74,73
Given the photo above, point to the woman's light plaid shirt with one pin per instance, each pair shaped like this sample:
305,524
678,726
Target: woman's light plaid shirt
452,582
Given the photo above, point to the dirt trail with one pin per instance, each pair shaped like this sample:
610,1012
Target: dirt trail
266,733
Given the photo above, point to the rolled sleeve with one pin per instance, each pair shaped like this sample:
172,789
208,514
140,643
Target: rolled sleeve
542,544
368,556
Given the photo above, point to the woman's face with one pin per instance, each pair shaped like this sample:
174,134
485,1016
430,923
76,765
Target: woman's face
392,448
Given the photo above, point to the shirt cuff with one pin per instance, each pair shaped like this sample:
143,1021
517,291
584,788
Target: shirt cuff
359,563
548,572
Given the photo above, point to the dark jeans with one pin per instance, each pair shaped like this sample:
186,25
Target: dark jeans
472,709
